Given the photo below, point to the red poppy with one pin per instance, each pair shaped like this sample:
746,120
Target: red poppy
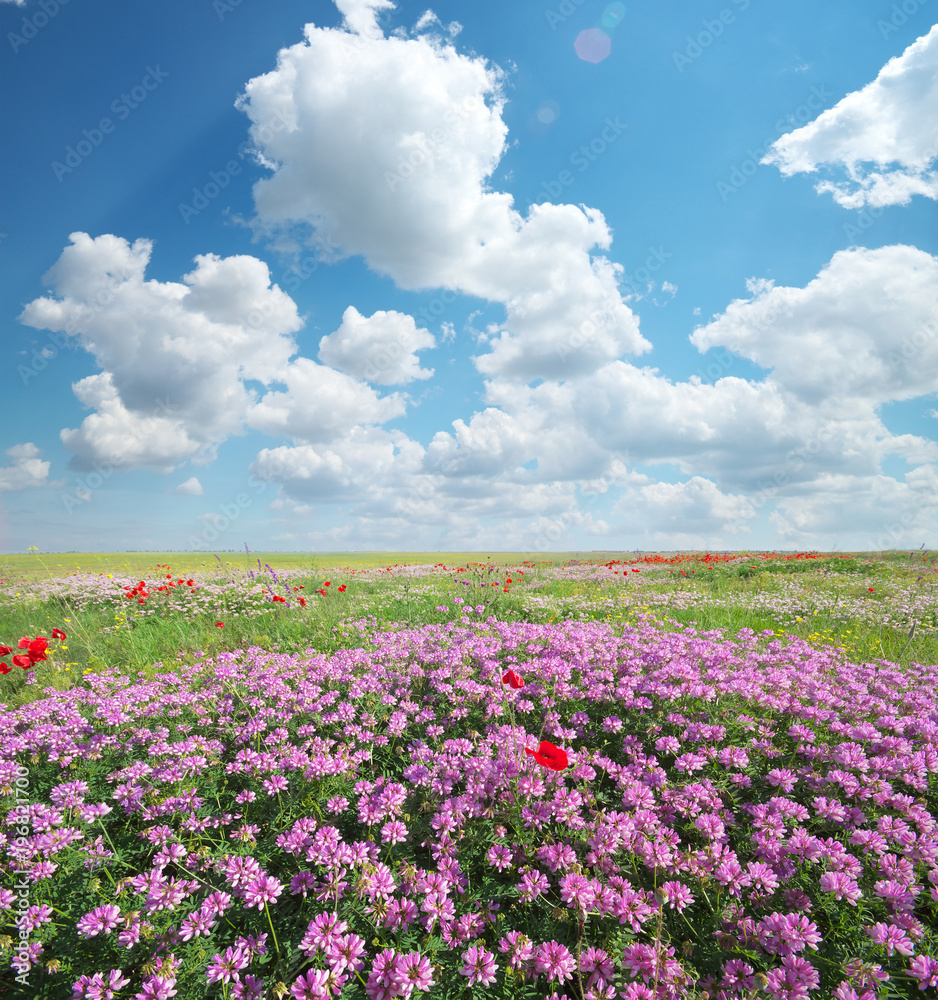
547,755
5,649
22,661
302,601
279,599
342,588
513,679
328,583
57,633
5,668
219,624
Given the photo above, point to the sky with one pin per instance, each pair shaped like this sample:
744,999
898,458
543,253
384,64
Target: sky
565,276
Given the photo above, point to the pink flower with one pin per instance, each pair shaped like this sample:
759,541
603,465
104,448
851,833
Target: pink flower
892,938
479,966
101,920
679,896
925,969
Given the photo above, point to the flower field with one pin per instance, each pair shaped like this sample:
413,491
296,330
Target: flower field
699,775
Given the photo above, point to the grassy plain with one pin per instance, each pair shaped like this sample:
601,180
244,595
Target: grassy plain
747,686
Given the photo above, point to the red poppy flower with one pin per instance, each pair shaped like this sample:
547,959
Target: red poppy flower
302,601
5,649
328,583
342,588
35,648
57,633
22,661
513,679
279,599
5,668
219,624
547,755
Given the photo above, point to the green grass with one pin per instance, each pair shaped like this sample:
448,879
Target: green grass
175,631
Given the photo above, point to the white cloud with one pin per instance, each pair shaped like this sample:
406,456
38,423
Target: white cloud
879,511
388,151
361,16
367,464
866,327
884,136
175,356
320,404
190,488
26,471
380,348
681,514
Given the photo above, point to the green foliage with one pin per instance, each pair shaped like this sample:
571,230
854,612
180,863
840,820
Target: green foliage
112,635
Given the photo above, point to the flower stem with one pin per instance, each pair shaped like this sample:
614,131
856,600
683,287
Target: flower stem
272,931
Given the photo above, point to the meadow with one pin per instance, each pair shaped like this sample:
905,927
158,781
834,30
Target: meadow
632,775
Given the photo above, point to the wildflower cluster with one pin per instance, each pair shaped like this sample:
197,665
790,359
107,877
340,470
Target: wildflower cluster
703,815
33,651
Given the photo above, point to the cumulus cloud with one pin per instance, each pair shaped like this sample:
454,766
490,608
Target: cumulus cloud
380,348
367,464
884,513
190,488
681,514
177,357
26,470
320,404
578,457
174,354
361,16
388,150
884,136
866,327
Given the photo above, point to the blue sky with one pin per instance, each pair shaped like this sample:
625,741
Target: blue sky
566,276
